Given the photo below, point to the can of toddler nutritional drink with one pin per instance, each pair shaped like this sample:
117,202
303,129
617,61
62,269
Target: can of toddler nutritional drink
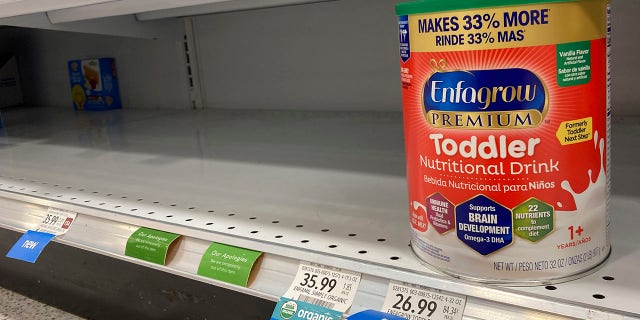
507,114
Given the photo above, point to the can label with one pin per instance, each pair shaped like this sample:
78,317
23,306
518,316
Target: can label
506,115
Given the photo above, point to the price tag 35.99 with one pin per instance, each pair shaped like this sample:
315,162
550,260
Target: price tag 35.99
324,286
420,303
57,221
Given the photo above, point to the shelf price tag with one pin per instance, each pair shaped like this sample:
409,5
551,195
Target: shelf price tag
228,263
57,221
150,245
421,303
324,286
30,245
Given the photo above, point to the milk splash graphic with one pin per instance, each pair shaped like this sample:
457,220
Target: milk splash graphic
567,252
592,205
596,194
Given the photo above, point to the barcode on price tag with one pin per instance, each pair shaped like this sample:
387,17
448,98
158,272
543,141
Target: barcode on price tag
324,286
420,303
57,221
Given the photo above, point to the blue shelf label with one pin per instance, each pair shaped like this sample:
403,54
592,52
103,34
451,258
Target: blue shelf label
373,315
289,309
30,245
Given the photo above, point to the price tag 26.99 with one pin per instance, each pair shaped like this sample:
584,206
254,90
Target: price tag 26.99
420,303
57,221
324,286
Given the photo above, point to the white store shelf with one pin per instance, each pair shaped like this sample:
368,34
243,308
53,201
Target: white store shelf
75,10
290,184
130,18
155,9
10,8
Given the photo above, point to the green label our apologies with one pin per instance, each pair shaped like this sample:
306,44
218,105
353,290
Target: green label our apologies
228,263
150,245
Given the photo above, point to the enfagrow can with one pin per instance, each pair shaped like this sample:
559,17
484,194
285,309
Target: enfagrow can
506,110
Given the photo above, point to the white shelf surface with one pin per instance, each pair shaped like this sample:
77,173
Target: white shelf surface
160,9
75,10
10,8
323,187
128,18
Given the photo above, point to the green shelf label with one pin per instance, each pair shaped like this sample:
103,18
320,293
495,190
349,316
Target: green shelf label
150,245
228,263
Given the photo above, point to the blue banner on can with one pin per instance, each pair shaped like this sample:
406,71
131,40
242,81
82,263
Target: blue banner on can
403,36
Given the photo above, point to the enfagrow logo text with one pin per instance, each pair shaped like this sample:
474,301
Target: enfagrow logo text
485,99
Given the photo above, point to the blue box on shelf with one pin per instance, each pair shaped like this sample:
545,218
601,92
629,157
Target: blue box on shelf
94,84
